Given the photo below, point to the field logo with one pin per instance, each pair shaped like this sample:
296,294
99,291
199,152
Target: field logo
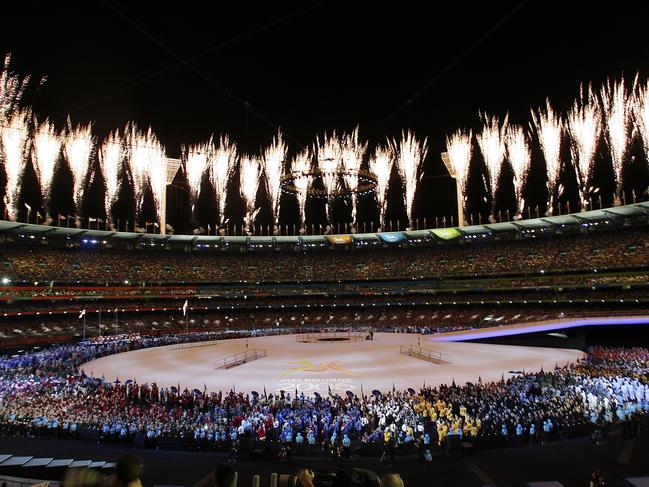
305,365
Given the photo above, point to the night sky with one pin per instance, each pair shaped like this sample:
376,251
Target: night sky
189,70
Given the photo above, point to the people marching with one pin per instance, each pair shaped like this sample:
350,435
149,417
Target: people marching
46,393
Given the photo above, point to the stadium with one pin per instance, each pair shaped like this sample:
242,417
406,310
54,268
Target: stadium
324,313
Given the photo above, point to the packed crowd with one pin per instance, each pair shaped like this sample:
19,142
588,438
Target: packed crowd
620,249
45,328
47,393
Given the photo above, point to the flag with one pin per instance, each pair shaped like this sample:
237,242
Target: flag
265,395
82,313
61,217
185,308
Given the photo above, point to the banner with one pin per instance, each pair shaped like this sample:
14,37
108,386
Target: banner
339,239
446,233
391,237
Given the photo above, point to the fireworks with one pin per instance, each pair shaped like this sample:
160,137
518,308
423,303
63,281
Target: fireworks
301,165
222,164
273,160
329,160
46,150
249,172
410,153
111,155
157,173
197,159
492,144
137,145
617,117
584,122
380,165
459,149
519,158
352,156
549,126
14,134
78,147
12,88
641,114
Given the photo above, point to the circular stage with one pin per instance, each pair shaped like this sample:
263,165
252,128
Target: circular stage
284,363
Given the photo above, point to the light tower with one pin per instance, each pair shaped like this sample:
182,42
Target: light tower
458,188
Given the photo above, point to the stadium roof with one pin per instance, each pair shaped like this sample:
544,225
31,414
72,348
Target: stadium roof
585,221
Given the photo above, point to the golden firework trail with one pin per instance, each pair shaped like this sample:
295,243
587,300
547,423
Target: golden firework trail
585,125
492,145
518,151
380,165
273,160
197,159
249,173
459,150
410,153
46,150
617,117
352,157
301,170
111,158
220,169
14,134
549,127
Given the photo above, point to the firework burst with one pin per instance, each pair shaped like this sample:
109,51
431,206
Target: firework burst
410,153
111,156
14,133
249,172
459,150
617,115
518,151
641,114
380,165
12,88
492,145
301,168
78,148
156,170
137,147
273,160
584,123
330,153
549,126
352,157
220,170
45,154
197,160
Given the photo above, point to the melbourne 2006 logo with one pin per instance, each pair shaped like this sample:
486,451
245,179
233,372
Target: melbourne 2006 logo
317,383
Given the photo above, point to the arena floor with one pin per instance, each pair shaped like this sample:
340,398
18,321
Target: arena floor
312,367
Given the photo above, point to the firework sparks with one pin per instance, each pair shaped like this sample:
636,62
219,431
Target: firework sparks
641,114
329,160
273,160
519,158
137,145
584,122
12,88
222,165
78,147
14,134
111,155
380,165
249,173
410,153
301,167
492,145
197,159
46,150
157,173
352,157
549,127
459,149
617,111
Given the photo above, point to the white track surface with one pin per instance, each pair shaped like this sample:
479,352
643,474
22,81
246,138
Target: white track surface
314,367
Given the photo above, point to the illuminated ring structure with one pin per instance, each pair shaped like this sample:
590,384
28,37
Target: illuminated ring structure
367,182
